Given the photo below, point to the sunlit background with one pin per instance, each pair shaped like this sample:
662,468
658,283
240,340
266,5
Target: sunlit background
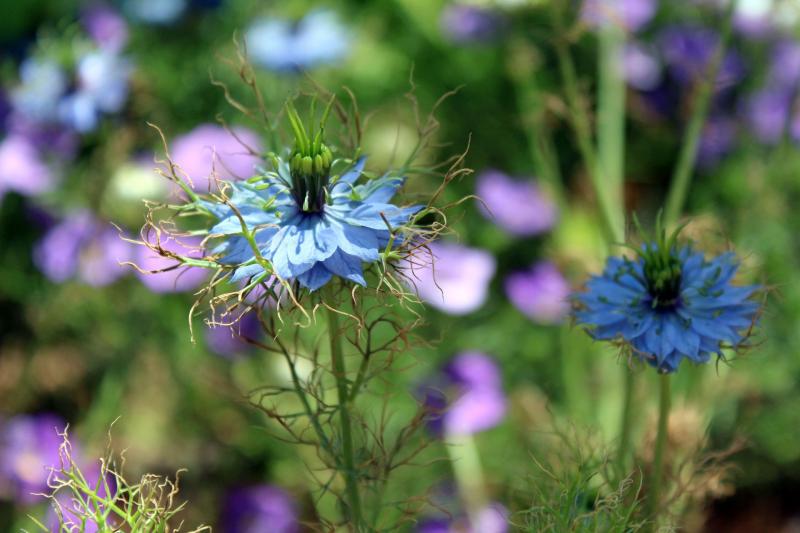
89,342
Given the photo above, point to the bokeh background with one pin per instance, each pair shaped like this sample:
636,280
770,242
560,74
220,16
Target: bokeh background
86,341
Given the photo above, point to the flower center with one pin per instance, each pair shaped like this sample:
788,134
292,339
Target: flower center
662,272
310,170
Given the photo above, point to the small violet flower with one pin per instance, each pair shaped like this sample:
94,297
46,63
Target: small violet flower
22,169
106,28
518,206
456,278
467,397
84,247
641,66
258,509
491,519
230,340
211,152
29,447
669,303
464,23
164,275
631,15
289,46
687,53
42,83
541,293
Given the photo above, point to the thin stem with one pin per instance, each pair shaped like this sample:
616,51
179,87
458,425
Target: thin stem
658,456
626,424
466,463
611,113
681,178
340,373
612,215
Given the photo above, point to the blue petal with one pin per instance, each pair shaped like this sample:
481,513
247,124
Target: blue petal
347,179
315,277
346,266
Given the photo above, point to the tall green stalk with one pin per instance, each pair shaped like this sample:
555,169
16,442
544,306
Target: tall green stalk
654,492
348,460
681,178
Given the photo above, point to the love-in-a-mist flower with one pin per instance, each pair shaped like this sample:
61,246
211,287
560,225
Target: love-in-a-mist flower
669,303
307,221
83,247
231,340
22,168
210,152
285,46
163,274
466,397
541,293
258,509
29,447
519,206
42,84
630,15
453,278
491,519
464,23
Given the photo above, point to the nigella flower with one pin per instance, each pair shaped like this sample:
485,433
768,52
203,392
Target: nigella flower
102,87
259,508
309,224
29,446
211,152
631,15
286,46
468,23
231,340
491,519
518,206
688,50
541,293
455,279
669,303
42,84
84,247
467,397
717,140
106,27
641,66
22,169
161,274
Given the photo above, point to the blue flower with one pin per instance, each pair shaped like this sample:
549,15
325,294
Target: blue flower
668,304
42,85
286,46
309,241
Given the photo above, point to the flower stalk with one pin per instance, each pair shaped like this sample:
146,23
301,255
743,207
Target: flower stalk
353,497
654,493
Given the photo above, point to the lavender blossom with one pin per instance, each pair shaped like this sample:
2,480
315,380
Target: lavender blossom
541,293
22,169
82,246
29,447
631,15
467,397
456,279
518,206
259,508
210,151
163,275
467,23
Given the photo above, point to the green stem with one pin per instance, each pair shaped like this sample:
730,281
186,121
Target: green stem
340,373
612,215
658,456
626,423
466,463
681,178
611,115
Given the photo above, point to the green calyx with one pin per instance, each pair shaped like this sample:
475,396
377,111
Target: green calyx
662,267
310,162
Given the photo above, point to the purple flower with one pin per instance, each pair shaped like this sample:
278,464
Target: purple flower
209,148
688,50
490,519
162,274
754,18
29,447
106,28
258,509
541,293
42,84
641,66
82,246
78,514
717,140
466,23
767,113
229,341
455,280
518,206
22,169
467,397
784,72
631,15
